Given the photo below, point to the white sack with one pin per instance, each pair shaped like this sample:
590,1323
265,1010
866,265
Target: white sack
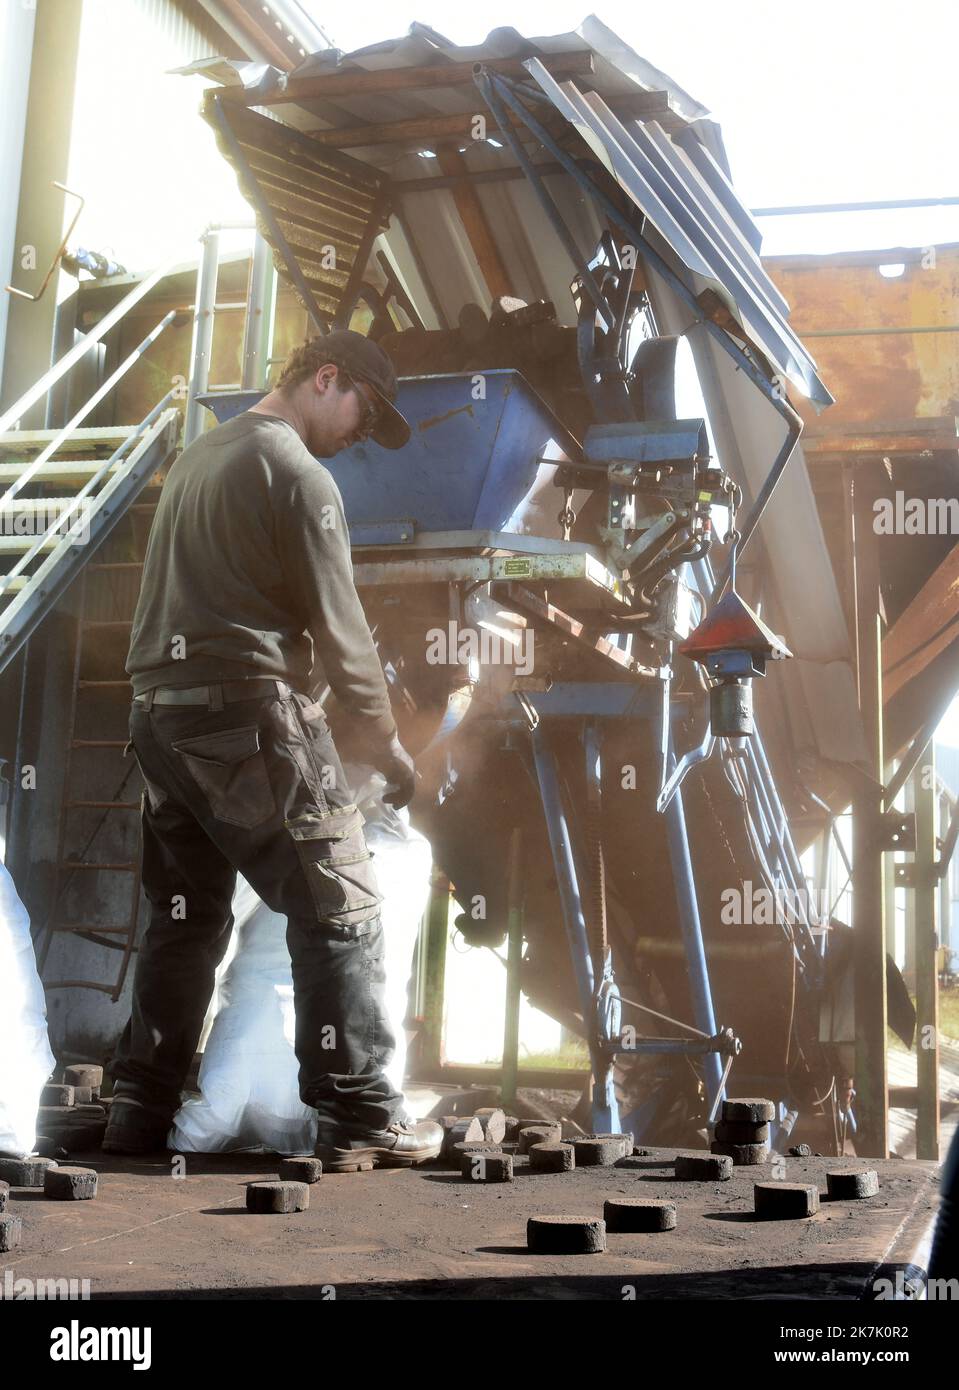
249,1096
24,1045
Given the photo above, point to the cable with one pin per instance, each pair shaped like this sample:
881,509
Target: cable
665,1017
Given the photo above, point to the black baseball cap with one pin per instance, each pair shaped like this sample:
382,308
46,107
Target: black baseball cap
365,361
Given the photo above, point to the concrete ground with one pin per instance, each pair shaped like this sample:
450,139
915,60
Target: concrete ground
427,1233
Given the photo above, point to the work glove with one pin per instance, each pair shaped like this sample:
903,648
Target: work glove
397,767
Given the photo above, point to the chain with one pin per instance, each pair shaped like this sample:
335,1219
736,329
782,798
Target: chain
732,537
567,517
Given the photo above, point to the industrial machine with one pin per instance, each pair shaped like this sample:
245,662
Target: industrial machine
549,567
579,572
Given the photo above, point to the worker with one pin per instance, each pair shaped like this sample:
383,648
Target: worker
247,575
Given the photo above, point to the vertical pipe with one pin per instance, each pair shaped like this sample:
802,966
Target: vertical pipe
927,977
260,310
437,930
202,335
868,914
889,883
692,932
909,943
564,863
945,905
514,959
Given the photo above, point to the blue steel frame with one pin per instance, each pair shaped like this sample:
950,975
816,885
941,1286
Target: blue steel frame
498,91
598,995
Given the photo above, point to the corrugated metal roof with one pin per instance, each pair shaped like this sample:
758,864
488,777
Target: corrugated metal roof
679,178
691,203
672,168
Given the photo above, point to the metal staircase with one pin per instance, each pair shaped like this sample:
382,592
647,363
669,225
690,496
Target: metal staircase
75,511
61,499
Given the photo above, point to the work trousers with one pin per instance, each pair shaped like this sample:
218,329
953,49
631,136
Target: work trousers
256,786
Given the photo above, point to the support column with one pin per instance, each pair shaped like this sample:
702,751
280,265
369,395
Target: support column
868,912
926,894
909,969
430,1050
514,958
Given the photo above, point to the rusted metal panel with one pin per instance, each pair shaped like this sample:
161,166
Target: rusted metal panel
871,333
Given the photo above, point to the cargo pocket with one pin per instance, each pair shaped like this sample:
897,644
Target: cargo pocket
230,770
338,867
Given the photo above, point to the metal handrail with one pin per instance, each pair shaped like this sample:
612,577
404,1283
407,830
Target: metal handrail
40,581
32,469
88,486
40,388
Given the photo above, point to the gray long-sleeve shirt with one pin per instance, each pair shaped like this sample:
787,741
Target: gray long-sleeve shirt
248,573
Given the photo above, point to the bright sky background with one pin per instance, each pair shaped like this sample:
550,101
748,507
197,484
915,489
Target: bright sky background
831,101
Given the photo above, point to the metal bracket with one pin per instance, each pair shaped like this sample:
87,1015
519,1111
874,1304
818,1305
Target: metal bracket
898,831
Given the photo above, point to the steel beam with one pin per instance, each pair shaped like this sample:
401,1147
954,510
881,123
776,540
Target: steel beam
926,893
868,911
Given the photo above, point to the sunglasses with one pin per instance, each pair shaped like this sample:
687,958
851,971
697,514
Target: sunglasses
371,413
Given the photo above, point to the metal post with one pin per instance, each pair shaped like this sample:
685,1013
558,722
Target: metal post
202,335
946,809
927,977
868,915
260,313
909,944
437,930
564,863
692,932
514,959
889,883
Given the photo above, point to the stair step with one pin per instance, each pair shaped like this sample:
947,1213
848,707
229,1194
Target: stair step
19,545
96,437
30,506
58,471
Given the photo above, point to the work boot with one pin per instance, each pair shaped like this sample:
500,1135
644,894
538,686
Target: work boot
399,1146
136,1127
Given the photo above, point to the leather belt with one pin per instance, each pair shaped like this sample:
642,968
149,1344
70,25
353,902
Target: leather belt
226,692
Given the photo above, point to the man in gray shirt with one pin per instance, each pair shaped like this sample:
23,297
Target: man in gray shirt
248,577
